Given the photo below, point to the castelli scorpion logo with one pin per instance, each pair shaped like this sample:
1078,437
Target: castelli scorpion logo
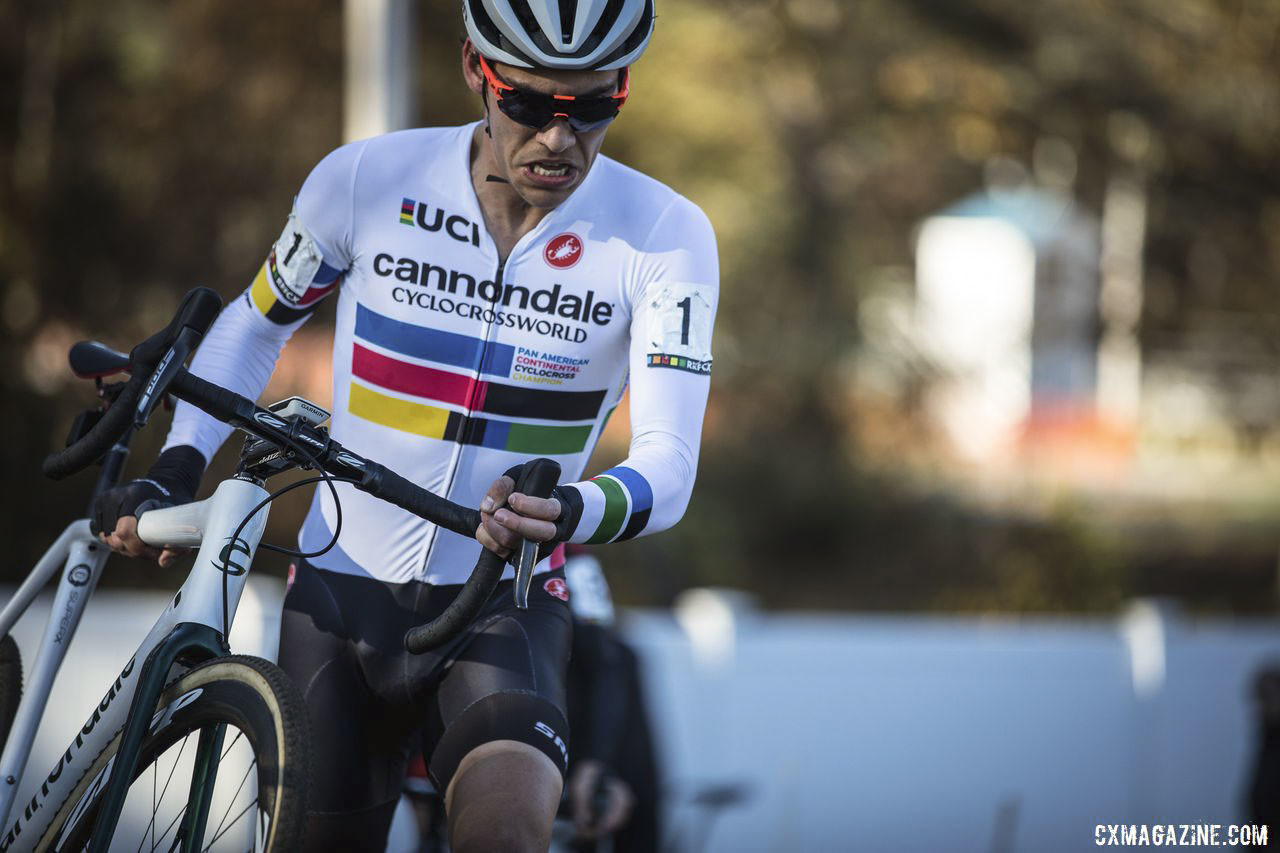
563,251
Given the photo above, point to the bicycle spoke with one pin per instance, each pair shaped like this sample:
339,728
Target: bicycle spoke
151,824
233,823
159,836
232,801
177,839
239,734
154,804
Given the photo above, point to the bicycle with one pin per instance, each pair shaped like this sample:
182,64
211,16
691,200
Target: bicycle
188,684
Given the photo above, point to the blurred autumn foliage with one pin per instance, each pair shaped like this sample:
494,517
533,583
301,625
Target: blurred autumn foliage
147,147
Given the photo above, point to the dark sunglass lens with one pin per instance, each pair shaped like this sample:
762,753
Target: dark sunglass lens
533,110
583,125
521,110
596,109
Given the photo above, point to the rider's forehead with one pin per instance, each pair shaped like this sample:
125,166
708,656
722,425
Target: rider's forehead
560,82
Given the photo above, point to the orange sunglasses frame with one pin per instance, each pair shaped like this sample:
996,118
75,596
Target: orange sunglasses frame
498,87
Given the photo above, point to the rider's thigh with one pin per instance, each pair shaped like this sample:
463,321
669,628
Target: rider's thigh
358,756
506,684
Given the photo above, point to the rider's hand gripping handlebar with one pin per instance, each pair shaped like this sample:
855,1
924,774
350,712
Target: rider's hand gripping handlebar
537,479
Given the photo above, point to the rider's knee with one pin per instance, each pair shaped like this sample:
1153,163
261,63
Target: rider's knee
502,717
510,834
503,797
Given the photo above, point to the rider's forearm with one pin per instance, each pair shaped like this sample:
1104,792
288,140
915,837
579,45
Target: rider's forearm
649,490
239,353
646,493
670,367
178,471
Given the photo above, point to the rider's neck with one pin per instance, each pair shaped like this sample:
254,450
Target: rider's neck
508,216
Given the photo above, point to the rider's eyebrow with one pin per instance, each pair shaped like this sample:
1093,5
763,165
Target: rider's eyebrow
601,91
598,92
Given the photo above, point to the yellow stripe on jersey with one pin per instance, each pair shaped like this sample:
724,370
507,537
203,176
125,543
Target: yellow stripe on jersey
261,293
398,414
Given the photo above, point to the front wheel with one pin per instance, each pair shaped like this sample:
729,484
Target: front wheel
10,684
244,711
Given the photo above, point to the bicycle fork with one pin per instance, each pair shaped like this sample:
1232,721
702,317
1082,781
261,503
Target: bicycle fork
190,643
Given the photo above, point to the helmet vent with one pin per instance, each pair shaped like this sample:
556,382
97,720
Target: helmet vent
582,34
568,14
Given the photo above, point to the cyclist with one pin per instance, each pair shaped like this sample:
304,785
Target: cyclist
613,781
497,285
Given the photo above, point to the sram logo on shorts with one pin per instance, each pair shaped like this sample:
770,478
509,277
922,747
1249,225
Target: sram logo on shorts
563,250
543,728
557,587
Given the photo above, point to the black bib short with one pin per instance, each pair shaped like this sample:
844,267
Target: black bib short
371,701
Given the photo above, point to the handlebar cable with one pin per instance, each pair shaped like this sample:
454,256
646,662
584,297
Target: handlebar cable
324,476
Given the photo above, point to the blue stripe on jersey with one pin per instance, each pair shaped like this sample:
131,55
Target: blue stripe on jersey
434,344
495,434
641,499
325,274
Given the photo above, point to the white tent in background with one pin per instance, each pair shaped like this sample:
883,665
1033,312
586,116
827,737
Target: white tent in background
1007,306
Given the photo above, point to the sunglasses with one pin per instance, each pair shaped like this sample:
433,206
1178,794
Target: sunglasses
536,110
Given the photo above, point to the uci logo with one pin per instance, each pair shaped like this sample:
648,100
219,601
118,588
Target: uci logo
226,564
458,227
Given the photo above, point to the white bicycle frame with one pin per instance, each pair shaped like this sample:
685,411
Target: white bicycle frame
208,525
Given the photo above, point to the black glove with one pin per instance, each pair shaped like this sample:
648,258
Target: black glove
172,480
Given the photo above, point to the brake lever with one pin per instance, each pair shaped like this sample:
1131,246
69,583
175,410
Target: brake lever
166,369
524,572
537,480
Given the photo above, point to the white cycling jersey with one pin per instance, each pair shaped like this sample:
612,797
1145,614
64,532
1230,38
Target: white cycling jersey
450,365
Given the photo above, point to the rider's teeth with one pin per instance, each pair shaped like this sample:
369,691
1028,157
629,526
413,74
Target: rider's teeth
550,171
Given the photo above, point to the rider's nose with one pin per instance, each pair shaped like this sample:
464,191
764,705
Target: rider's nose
557,136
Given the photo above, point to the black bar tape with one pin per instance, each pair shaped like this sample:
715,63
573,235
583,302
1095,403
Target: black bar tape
98,440
536,478
464,608
226,406
382,482
198,310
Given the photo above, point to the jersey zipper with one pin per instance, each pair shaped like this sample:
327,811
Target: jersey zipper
468,409
484,350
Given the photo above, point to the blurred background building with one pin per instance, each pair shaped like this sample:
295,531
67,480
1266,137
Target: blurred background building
996,344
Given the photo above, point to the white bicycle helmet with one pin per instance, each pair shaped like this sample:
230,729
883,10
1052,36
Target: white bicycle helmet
598,35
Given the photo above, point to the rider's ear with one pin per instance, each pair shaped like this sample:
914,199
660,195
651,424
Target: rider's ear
471,72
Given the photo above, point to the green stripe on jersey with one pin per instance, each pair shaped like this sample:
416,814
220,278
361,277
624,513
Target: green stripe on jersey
615,510
547,440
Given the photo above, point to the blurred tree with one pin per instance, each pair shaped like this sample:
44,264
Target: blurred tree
152,146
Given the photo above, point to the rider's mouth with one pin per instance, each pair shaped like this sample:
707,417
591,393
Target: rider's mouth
551,170
550,173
